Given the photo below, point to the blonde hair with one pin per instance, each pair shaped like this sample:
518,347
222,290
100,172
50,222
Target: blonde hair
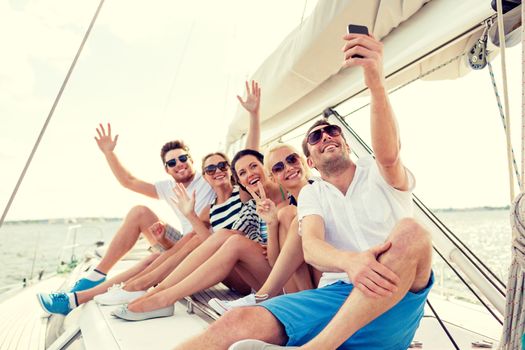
276,146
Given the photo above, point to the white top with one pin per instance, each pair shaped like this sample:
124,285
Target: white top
363,217
204,196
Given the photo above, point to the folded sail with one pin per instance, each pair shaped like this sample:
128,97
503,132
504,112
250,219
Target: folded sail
303,76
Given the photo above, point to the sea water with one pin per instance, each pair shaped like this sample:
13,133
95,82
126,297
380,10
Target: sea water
488,234
26,249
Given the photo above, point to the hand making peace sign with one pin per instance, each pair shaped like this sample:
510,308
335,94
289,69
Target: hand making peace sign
265,207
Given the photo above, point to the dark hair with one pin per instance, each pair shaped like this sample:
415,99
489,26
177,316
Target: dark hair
168,146
317,123
239,155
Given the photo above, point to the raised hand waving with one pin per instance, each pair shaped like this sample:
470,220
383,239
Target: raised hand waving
104,141
253,98
184,203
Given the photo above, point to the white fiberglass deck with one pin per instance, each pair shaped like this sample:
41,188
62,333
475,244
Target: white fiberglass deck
101,330
22,322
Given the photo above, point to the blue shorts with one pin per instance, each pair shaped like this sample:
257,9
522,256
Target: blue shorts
305,314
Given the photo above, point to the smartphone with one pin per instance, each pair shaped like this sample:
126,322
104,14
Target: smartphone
357,29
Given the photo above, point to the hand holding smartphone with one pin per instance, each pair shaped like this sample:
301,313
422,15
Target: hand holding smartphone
357,29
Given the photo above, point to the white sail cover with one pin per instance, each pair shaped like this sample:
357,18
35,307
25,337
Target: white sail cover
303,76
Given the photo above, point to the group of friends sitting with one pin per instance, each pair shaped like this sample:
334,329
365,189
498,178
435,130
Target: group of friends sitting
325,262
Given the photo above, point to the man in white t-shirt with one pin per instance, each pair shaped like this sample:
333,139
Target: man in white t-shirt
357,227
139,220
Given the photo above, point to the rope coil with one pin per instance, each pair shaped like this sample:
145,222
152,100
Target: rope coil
514,324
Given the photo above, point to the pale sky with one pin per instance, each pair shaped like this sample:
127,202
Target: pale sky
162,70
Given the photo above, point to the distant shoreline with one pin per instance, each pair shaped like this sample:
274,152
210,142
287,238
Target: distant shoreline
91,220
471,209
70,221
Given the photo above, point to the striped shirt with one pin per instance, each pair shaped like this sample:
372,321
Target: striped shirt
224,215
248,222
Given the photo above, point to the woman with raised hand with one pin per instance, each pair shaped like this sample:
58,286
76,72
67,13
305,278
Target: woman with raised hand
244,255
285,253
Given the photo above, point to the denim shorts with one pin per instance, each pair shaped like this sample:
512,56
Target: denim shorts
172,233
305,314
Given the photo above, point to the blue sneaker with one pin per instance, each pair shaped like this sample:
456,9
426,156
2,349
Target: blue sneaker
84,283
54,303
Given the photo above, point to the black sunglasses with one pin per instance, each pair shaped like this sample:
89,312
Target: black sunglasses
291,159
212,168
316,136
183,158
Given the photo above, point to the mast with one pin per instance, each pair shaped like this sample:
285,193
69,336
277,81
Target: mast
50,115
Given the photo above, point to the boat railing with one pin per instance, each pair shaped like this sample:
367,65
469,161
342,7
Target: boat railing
72,245
43,263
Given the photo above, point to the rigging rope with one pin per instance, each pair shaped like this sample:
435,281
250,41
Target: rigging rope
503,120
442,324
522,98
390,92
50,115
501,32
514,323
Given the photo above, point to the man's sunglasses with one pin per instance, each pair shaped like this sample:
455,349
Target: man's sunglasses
315,136
212,168
291,159
183,158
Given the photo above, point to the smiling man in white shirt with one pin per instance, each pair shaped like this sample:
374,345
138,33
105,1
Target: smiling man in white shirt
357,226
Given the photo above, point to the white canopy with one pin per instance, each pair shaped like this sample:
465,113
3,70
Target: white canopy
303,76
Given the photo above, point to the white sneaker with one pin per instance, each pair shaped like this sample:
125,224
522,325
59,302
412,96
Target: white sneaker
252,344
116,295
221,306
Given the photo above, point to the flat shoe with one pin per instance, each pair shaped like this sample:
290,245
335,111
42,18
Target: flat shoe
127,315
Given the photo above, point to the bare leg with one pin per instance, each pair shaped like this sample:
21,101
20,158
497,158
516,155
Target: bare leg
237,250
242,323
165,256
290,262
286,216
87,295
410,258
196,258
236,281
138,220
163,270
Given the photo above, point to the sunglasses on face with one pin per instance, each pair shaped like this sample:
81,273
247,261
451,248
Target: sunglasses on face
316,136
291,159
212,168
183,158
